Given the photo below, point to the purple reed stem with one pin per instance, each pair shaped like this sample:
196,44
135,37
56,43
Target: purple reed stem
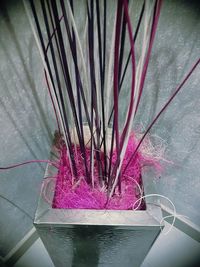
115,130
153,32
52,35
28,162
116,72
52,101
161,111
127,19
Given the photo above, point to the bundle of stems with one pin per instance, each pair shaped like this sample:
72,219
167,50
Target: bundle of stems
85,73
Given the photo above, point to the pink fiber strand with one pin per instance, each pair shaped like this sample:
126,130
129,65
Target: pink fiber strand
71,193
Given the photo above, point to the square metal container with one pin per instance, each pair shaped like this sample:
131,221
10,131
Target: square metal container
91,238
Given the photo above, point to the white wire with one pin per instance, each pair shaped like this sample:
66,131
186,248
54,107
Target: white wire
139,187
170,216
166,198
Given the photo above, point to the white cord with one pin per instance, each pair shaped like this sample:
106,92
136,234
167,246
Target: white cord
166,198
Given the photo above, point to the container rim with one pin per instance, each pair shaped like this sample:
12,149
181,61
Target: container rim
46,215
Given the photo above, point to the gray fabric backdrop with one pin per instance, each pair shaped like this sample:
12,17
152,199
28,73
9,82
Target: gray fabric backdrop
27,122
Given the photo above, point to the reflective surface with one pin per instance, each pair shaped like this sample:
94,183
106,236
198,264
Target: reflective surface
26,114
96,237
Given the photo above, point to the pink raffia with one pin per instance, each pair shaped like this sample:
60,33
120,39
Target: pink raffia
71,193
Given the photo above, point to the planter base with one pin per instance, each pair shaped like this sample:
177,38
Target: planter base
89,238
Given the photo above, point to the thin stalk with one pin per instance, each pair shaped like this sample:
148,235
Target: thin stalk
46,64
128,59
157,9
161,111
116,88
127,124
129,56
58,84
72,43
94,106
102,73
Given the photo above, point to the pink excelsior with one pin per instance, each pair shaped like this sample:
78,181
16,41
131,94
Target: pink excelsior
78,194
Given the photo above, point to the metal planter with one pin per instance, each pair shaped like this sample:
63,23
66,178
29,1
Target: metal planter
90,238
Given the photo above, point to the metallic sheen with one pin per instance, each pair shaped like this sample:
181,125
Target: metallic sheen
78,238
